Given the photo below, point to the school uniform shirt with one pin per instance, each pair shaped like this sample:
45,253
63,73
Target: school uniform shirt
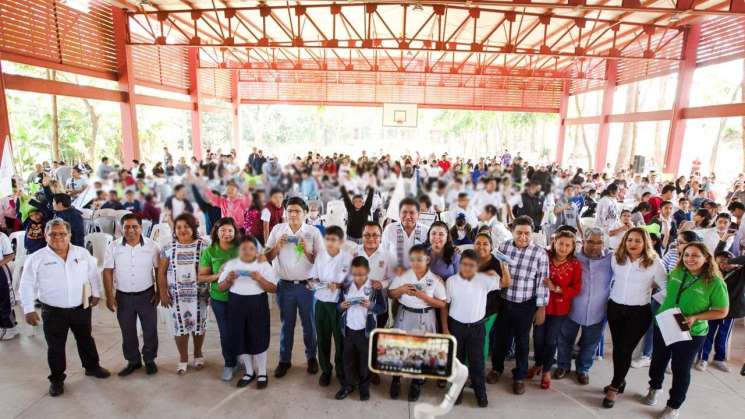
289,264
58,283
391,243
357,314
244,284
330,269
133,266
471,216
432,284
382,264
467,298
632,284
696,297
483,198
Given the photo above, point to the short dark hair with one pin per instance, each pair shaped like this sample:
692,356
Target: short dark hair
491,209
274,190
724,215
690,236
62,199
667,188
684,199
178,187
249,238
418,248
373,224
131,216
666,203
469,254
296,200
360,262
224,221
735,206
462,195
190,220
334,231
522,220
408,201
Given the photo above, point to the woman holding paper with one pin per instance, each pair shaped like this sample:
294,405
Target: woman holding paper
695,288
636,272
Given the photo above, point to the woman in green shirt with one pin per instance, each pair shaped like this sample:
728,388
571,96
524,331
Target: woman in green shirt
696,287
223,248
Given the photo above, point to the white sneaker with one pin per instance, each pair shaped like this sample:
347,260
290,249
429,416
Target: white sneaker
721,366
641,362
8,334
227,373
701,365
669,413
651,398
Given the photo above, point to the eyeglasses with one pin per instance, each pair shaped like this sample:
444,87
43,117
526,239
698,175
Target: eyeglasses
57,234
370,236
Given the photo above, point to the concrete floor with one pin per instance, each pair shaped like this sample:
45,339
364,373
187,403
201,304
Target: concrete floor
198,394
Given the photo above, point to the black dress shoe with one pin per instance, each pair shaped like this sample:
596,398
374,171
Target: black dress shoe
742,371
129,369
281,370
559,373
261,382
364,395
324,380
56,389
245,380
343,393
98,373
151,368
312,366
619,390
459,400
415,389
482,400
374,379
395,388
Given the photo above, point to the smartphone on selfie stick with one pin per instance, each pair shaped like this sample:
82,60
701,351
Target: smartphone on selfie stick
418,356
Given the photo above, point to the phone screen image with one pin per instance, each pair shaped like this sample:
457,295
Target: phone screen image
681,322
397,353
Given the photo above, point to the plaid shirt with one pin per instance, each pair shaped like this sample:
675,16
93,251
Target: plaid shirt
529,269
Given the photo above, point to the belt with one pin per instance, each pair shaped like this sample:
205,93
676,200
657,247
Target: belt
296,282
469,325
416,310
48,307
135,293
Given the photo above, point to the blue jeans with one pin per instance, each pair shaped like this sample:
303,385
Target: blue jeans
294,298
545,339
588,343
220,308
647,345
719,333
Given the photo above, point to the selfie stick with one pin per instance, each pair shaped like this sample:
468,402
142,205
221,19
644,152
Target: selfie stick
457,381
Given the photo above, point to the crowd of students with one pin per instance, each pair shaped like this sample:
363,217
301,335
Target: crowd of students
489,250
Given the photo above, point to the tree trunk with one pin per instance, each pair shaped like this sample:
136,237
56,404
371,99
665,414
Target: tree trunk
628,133
583,135
658,132
52,75
742,120
95,118
720,131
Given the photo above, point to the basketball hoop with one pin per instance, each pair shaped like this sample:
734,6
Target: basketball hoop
399,117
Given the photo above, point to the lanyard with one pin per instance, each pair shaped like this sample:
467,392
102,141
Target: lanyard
684,287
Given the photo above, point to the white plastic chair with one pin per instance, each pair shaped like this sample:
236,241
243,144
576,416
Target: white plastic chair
336,214
147,226
463,247
96,243
161,234
105,224
17,241
118,224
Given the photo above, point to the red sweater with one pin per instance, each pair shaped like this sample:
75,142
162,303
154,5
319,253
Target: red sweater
568,276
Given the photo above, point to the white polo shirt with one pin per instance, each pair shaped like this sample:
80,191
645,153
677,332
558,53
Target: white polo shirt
632,284
357,314
289,264
330,269
133,266
382,264
244,284
57,282
467,298
431,283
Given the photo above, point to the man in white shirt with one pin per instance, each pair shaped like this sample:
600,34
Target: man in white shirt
488,196
382,262
466,311
129,278
65,278
399,237
330,270
294,245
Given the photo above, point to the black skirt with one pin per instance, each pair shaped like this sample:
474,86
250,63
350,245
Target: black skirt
248,323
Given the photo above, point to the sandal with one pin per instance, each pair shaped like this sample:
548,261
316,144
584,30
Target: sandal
246,380
262,382
199,363
181,368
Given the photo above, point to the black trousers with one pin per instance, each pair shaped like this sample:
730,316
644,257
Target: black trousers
57,322
628,324
355,359
514,319
681,356
128,309
470,338
7,315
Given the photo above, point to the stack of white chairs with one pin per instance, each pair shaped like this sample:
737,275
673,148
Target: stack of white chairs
336,214
96,243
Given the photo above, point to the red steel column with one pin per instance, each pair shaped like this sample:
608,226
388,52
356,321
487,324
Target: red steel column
4,121
562,122
235,95
130,140
676,135
196,114
601,151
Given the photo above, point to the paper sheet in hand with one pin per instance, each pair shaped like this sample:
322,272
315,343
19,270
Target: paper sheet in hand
669,327
86,295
